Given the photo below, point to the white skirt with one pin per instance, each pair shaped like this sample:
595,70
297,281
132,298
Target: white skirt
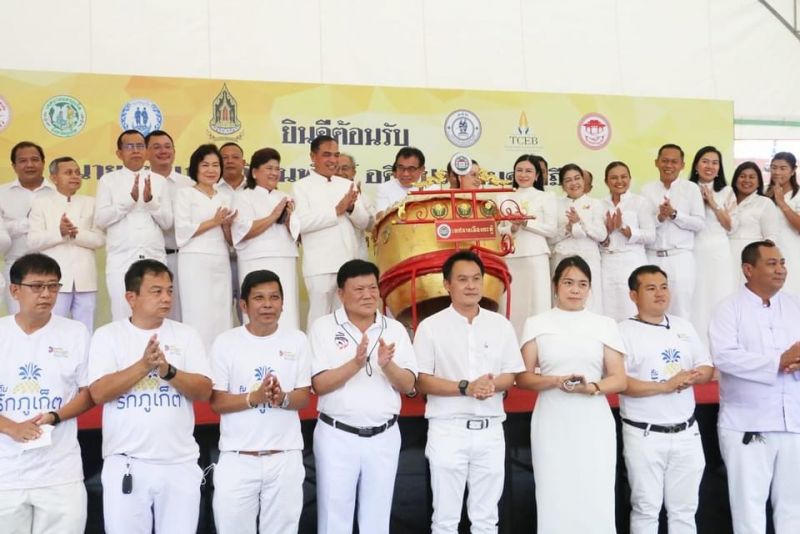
286,269
530,288
205,293
615,270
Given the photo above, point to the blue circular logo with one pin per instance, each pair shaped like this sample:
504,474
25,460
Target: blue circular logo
142,115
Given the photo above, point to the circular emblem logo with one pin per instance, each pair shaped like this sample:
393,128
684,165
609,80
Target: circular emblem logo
461,164
594,131
443,230
488,209
141,114
438,210
5,114
63,116
462,128
464,209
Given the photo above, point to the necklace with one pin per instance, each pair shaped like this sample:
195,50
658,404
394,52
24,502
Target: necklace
640,320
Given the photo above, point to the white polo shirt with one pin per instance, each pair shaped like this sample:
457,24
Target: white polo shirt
152,421
239,363
363,400
656,353
449,346
41,372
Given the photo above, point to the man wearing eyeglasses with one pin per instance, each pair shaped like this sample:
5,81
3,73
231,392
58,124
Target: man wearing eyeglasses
347,169
43,379
361,363
27,159
62,226
133,206
408,168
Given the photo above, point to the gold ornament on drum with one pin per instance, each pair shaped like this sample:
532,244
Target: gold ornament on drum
488,209
439,210
464,209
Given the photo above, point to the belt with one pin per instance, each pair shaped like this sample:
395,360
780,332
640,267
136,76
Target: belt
363,431
171,251
664,429
259,453
669,252
477,424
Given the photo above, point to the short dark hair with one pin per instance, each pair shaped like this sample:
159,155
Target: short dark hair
137,271
409,152
633,279
538,182
719,179
672,146
53,168
199,154
157,133
354,268
319,140
34,263
231,143
738,172
572,261
751,252
256,278
461,255
259,158
616,164
130,131
565,169
25,144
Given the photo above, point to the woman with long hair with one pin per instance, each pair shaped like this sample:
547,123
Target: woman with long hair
783,190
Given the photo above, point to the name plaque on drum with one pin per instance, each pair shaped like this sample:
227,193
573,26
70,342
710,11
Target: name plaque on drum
470,230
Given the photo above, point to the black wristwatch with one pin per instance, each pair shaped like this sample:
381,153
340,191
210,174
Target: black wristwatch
462,387
171,372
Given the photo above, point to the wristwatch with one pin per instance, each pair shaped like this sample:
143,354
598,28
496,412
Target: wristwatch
171,372
285,401
596,391
462,387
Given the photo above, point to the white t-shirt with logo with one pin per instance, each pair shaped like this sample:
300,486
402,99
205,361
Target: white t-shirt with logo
39,373
654,353
239,362
152,421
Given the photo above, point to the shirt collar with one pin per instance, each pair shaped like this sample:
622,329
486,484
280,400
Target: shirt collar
46,184
340,315
457,315
754,300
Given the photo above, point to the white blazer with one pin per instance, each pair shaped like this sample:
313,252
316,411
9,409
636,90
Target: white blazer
75,256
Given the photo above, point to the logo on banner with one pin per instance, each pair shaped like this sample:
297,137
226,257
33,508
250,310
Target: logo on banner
462,128
465,230
63,116
522,137
225,115
5,114
142,115
594,131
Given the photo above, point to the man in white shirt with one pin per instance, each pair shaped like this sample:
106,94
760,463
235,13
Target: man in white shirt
161,155
662,447
233,180
329,211
146,371
362,362
43,385
5,244
467,357
62,226
347,169
15,202
680,214
755,341
408,168
262,377
347,166
134,208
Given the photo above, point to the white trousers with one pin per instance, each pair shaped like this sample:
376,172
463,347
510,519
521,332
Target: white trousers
764,467
57,509
176,312
286,269
530,288
663,468
347,465
680,269
458,457
205,293
78,305
616,268
168,493
322,298
269,488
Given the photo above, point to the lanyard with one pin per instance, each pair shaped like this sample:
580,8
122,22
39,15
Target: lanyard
368,366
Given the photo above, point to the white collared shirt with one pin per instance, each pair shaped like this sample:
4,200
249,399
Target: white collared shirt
587,233
758,219
637,214
449,346
531,238
192,208
363,400
390,193
690,215
278,240
15,204
226,189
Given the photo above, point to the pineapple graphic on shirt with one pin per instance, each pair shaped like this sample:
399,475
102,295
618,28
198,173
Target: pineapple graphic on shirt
260,373
149,382
29,375
672,359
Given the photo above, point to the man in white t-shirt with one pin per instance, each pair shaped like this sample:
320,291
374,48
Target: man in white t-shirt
362,362
147,370
42,389
662,447
468,357
262,377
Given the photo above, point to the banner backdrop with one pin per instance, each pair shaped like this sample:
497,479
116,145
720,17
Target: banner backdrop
82,114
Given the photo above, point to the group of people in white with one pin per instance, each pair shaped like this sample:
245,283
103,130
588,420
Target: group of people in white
640,259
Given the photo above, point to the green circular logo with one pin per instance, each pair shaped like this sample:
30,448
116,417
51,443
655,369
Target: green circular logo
63,116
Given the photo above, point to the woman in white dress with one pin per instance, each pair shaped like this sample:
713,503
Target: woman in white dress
758,218
573,358
715,274
203,221
631,225
529,264
265,233
783,190
581,228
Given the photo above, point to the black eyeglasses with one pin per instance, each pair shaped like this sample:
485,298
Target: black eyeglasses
38,287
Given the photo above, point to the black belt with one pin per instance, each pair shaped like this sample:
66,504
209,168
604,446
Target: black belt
664,429
171,251
363,431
